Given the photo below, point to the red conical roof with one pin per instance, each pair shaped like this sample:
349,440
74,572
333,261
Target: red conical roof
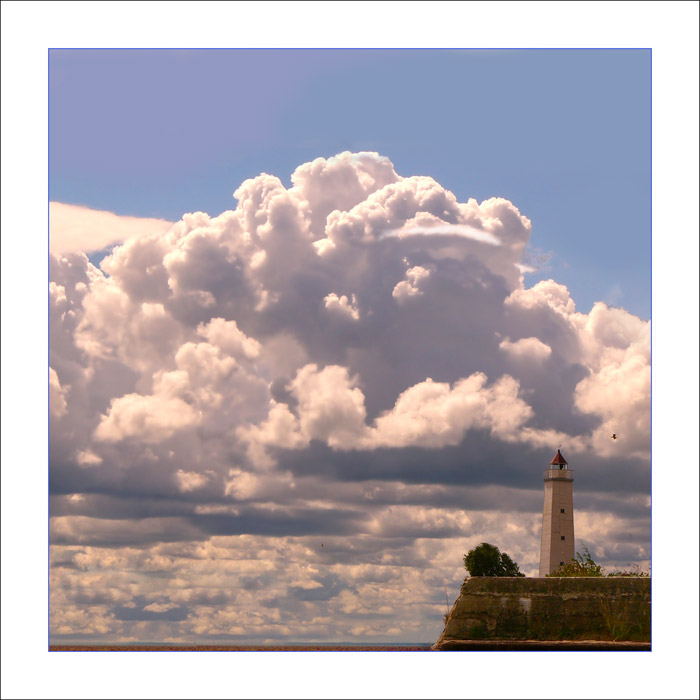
559,459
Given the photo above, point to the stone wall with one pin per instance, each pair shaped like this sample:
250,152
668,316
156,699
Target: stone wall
602,612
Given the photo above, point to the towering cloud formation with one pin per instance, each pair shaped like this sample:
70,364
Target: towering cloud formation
323,361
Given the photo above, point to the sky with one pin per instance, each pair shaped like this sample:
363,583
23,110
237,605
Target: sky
319,321
289,415
160,133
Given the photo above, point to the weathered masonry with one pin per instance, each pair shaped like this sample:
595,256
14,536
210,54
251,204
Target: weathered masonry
550,613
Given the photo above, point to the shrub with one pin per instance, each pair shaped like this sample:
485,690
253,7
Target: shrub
635,572
582,565
488,560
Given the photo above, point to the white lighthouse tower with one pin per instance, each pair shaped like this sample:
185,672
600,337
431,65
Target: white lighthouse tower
557,516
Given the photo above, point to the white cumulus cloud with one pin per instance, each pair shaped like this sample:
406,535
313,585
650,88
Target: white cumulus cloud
302,406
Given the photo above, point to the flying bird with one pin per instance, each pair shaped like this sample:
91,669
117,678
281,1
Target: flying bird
613,436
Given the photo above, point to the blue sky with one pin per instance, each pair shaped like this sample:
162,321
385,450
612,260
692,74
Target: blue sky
563,134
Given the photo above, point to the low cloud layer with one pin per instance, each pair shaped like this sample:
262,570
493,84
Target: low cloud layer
290,420
73,227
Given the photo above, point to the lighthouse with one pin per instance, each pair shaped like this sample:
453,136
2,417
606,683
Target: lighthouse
557,516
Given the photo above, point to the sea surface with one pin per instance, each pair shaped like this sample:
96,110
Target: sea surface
239,647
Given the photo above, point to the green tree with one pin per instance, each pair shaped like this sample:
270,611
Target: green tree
488,560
